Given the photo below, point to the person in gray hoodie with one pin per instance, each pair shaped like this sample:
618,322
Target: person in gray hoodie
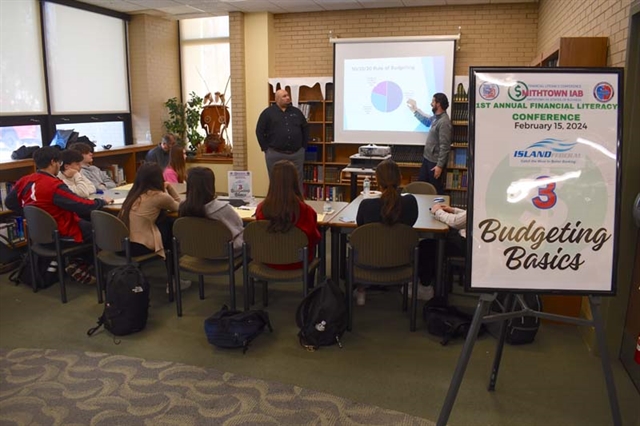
202,202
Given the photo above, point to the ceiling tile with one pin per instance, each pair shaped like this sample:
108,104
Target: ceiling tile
154,4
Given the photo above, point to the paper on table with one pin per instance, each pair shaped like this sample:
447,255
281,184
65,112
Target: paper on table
321,216
126,187
118,200
245,212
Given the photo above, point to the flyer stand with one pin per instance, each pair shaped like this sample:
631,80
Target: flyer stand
543,198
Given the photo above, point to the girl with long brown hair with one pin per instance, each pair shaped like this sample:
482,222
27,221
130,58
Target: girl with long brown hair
284,206
390,208
143,213
176,170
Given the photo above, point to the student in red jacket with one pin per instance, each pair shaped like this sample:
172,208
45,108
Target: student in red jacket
284,206
44,190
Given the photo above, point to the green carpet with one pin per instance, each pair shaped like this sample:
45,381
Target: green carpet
42,386
554,381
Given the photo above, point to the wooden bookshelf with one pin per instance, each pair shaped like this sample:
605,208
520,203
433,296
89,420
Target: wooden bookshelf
574,52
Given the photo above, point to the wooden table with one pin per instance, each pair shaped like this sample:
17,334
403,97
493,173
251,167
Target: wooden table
345,222
247,213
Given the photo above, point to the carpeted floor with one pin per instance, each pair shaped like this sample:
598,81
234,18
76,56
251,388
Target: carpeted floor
44,386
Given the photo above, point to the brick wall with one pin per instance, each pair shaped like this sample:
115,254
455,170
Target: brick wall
155,72
239,119
586,18
492,35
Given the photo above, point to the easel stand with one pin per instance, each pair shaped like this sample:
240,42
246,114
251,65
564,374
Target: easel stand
481,316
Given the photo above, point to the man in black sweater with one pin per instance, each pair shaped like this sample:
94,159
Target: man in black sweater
160,154
283,133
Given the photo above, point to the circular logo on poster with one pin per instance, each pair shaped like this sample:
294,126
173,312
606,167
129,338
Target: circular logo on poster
518,92
603,92
489,91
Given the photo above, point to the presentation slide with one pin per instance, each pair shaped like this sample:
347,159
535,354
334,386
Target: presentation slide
373,82
377,98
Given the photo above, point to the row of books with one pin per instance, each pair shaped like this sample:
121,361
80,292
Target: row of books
306,110
460,114
456,179
5,187
459,134
461,95
407,154
331,193
457,158
458,199
116,173
13,229
313,173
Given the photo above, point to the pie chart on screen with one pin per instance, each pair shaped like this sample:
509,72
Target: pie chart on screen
386,96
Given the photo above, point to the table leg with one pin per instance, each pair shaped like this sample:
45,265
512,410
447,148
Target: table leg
354,186
441,291
322,248
335,254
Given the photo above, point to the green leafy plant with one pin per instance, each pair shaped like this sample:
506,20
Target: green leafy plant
176,123
193,110
184,120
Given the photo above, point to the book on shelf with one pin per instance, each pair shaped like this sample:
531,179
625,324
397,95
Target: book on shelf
5,188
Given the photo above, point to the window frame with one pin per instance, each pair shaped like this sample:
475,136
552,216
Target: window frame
48,121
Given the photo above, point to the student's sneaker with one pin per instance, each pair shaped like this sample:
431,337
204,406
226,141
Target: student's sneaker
80,272
184,284
361,296
425,293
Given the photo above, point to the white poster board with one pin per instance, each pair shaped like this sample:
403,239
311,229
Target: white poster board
544,179
239,184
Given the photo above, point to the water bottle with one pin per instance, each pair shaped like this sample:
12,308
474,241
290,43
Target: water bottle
148,136
326,207
366,186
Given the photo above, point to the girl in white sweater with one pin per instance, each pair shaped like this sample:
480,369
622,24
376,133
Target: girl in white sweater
201,202
70,174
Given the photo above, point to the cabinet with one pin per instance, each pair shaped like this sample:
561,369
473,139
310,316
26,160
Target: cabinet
574,52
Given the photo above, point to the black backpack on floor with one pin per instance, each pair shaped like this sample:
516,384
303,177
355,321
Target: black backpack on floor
127,302
235,329
521,330
322,316
46,272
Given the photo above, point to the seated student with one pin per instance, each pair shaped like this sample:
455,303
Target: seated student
202,202
176,170
160,154
284,206
44,190
100,179
147,200
390,208
70,173
455,244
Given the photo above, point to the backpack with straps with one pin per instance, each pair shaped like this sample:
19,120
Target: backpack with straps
447,321
322,317
126,303
521,330
235,329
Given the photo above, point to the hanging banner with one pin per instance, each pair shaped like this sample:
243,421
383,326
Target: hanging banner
544,179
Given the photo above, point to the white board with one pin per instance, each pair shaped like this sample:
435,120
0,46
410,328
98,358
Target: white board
544,179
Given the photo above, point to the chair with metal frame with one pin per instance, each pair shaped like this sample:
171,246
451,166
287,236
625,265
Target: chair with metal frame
204,247
420,188
262,248
110,240
379,254
42,233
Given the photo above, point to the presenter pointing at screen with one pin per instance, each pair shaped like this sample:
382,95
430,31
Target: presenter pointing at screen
438,145
283,133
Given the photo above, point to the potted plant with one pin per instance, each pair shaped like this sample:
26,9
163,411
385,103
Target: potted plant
184,120
176,122
193,110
